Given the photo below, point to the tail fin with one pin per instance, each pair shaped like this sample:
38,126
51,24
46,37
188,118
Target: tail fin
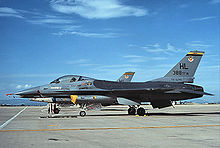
126,77
184,70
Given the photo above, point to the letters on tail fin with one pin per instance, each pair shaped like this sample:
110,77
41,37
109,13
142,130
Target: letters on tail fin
126,77
184,70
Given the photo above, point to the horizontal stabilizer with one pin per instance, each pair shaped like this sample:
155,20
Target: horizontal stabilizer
205,93
196,92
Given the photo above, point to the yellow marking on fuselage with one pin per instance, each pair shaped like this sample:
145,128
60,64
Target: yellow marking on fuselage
73,98
110,128
52,125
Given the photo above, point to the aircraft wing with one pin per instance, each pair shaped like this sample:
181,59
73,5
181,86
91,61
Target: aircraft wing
124,96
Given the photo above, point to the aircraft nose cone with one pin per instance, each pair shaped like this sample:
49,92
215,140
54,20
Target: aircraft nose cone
28,91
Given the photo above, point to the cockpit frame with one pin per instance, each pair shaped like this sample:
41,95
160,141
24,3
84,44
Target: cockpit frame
70,79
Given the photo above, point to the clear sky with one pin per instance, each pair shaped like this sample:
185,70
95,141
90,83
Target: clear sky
41,40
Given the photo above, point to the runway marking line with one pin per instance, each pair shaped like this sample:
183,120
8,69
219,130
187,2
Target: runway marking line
7,122
110,128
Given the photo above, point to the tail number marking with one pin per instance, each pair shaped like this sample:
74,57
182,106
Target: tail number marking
179,72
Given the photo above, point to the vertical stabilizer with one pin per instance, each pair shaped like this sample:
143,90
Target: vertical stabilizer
126,77
184,70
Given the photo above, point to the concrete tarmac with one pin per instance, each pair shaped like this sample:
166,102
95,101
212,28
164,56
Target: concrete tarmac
183,126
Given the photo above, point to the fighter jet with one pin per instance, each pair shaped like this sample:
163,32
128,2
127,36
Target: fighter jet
126,77
159,92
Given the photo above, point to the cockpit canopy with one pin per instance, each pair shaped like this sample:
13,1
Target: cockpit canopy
70,78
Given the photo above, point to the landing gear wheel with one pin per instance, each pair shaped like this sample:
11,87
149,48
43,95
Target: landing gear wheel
56,111
141,111
82,113
131,111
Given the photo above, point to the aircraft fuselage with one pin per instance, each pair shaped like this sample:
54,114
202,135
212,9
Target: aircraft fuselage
147,91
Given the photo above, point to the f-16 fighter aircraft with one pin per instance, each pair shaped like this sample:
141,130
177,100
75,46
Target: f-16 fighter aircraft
159,92
126,77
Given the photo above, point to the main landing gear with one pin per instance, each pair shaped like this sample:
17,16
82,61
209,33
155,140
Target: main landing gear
132,111
140,111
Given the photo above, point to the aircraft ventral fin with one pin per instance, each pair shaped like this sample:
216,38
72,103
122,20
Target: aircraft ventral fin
161,104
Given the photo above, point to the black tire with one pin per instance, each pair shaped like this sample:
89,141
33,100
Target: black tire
131,111
82,113
141,111
56,111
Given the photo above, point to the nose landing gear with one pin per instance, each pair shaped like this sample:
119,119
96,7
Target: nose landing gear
82,113
86,107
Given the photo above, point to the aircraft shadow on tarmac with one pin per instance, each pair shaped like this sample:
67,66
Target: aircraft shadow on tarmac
184,114
166,114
